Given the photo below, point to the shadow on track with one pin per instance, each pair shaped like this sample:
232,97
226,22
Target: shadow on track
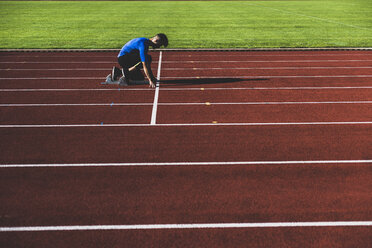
201,81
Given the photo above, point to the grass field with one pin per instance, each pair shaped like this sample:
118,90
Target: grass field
200,24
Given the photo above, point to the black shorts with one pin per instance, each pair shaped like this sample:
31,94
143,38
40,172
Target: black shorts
130,59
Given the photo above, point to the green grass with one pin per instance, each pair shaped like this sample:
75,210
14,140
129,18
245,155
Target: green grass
200,24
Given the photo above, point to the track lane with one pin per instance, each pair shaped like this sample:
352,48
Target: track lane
200,73
224,82
104,66
264,113
198,96
185,194
185,143
203,113
76,97
271,237
271,54
62,115
72,83
197,72
269,95
186,64
81,72
271,73
280,62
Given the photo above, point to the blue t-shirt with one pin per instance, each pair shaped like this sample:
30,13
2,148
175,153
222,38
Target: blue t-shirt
140,44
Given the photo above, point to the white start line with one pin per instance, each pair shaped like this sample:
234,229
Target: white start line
156,95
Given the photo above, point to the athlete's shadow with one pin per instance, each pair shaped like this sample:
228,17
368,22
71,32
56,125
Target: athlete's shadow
201,81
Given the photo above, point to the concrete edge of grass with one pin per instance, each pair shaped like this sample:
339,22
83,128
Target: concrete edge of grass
198,49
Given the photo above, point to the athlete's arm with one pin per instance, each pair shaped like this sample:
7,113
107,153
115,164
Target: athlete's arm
143,55
147,73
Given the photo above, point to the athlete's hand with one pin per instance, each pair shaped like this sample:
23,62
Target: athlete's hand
151,84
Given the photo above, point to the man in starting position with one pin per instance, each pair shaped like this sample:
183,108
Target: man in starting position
134,56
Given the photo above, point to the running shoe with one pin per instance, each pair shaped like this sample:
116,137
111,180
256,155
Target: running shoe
116,72
108,79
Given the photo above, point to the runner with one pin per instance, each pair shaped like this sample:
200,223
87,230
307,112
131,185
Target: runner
134,56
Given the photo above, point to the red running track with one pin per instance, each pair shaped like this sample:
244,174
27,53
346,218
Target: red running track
239,88
195,194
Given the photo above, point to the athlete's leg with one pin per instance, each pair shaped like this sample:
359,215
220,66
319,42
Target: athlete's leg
136,66
128,62
124,63
135,72
116,73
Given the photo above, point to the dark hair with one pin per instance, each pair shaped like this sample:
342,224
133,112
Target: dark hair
163,39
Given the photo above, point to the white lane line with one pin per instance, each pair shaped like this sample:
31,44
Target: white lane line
271,103
156,95
186,226
57,69
268,103
77,89
201,68
252,54
268,68
197,88
72,104
198,78
193,61
56,62
267,76
188,163
267,61
248,54
176,104
53,78
274,88
191,124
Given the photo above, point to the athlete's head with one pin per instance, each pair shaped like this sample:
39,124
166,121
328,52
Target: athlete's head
159,40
